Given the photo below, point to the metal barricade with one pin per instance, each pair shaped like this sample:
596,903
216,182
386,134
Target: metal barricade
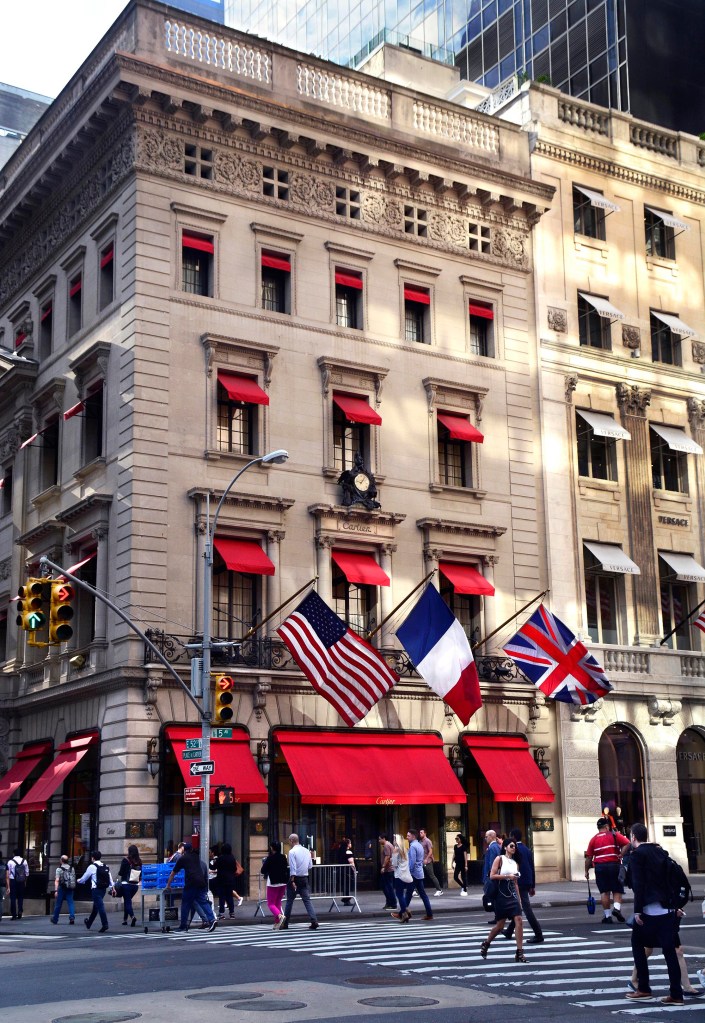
334,881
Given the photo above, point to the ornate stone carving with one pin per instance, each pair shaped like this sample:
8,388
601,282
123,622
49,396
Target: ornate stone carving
325,542
259,698
152,684
633,400
557,320
9,443
432,553
316,193
631,337
510,247
663,711
587,713
698,349
5,568
158,150
571,382
696,413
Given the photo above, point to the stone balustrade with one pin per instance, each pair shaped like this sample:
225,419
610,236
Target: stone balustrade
339,90
581,116
451,126
217,51
655,139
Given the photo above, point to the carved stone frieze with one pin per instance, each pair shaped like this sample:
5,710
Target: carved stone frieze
633,400
571,382
510,247
698,349
159,150
557,320
10,442
5,568
631,337
696,413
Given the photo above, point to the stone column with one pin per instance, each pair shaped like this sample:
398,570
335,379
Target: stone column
489,606
385,595
432,556
274,582
324,545
633,402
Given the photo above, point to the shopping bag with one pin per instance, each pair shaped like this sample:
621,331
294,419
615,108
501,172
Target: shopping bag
590,901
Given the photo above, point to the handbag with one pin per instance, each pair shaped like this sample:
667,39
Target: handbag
489,894
135,876
590,900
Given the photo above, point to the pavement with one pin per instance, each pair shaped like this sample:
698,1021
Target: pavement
550,894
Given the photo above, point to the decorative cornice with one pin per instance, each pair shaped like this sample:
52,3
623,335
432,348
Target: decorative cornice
464,392
354,372
633,400
461,528
247,501
356,514
219,345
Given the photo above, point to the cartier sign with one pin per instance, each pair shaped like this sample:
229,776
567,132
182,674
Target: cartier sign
523,799
381,801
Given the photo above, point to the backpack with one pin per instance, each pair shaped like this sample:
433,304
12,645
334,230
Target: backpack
677,885
68,878
102,876
20,872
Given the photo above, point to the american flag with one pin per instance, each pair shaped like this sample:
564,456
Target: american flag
699,622
340,665
556,661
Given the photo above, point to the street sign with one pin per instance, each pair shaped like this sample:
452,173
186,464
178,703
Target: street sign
194,743
221,733
195,794
203,767
191,754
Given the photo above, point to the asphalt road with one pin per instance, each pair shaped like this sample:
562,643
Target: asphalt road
579,973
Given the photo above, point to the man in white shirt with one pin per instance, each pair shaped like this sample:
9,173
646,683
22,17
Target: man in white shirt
299,867
101,880
15,878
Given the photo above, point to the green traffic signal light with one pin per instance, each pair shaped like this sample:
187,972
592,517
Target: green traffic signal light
30,616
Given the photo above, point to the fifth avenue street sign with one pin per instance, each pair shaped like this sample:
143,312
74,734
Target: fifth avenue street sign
203,767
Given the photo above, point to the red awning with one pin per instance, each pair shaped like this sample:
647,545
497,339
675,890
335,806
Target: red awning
362,768
46,312
357,410
416,295
74,410
70,753
276,262
196,241
460,427
485,311
244,556
360,568
27,760
234,763
509,768
242,388
466,579
348,280
106,258
75,287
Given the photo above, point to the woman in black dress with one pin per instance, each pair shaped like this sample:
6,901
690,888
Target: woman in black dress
130,873
460,863
505,871
225,868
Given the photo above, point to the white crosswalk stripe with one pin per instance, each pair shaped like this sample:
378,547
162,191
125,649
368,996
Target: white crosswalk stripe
587,970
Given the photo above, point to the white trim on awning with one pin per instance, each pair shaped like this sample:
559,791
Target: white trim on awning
597,199
603,425
612,558
674,323
602,307
685,566
677,439
669,220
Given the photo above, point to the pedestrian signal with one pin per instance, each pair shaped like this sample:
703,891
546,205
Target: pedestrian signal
223,699
31,610
225,795
61,611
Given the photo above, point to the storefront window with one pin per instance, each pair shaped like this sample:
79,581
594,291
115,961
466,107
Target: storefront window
80,806
622,775
690,756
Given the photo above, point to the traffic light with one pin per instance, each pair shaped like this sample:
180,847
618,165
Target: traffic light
225,795
223,699
31,614
60,611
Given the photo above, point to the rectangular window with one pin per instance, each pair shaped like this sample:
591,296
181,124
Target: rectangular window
6,493
348,299
601,601
417,303
235,601
197,252
84,619
20,336
481,329
675,607
276,282
106,281
348,438
660,238
594,330
465,607
198,162
479,239
588,219
46,329
236,429
665,344
93,425
669,468
347,203
75,304
415,221
597,456
275,183
354,603
49,455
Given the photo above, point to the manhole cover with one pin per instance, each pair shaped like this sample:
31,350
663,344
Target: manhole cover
398,1002
98,1017
224,996
386,980
269,1005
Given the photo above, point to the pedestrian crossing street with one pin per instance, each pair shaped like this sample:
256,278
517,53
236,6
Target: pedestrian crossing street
589,970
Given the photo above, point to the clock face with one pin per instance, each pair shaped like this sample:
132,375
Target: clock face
362,482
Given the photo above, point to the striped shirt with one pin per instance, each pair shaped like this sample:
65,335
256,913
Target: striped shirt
605,847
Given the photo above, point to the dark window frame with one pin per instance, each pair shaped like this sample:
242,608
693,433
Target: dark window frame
594,331
601,597
355,603
597,456
673,592
348,439
236,425
668,467
588,220
198,266
234,592
659,238
666,346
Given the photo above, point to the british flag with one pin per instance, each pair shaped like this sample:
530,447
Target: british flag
556,661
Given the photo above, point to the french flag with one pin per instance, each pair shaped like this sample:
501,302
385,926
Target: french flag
437,645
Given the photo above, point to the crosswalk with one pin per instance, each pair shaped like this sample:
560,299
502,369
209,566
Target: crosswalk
589,970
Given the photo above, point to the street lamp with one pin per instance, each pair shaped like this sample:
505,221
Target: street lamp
271,458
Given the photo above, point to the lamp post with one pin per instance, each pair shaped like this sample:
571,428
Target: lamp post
272,458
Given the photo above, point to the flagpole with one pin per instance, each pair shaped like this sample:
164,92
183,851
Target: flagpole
677,627
400,604
253,628
499,628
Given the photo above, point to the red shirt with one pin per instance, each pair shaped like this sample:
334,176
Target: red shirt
604,847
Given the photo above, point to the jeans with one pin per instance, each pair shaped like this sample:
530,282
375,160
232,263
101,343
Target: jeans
128,893
16,898
299,886
198,898
98,907
388,888
61,895
528,913
275,897
657,932
418,884
430,875
460,876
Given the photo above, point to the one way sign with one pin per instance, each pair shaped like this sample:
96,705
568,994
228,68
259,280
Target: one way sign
202,767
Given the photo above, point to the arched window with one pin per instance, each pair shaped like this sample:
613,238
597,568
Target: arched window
622,776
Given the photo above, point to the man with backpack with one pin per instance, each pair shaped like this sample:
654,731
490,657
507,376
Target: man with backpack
655,915
64,885
101,879
17,873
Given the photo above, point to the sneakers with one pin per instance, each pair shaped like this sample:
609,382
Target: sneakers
54,921
640,996
606,920
240,900
102,930
463,894
71,921
212,925
672,1001
415,895
438,892
313,926
221,916
618,916
85,920
281,923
